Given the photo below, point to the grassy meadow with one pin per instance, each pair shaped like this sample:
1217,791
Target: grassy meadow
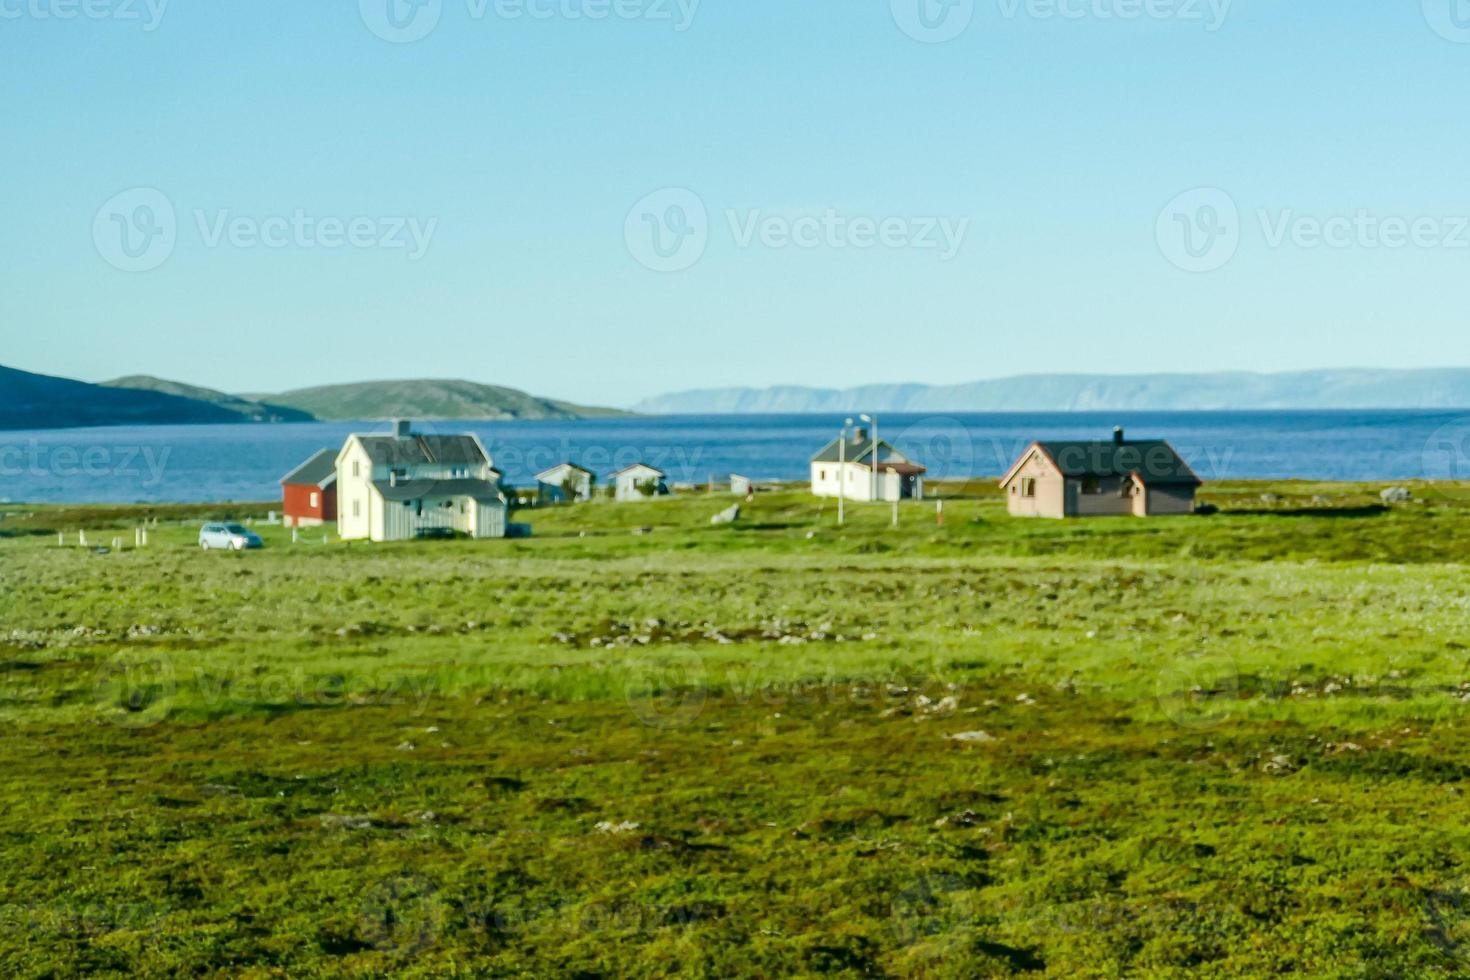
638,744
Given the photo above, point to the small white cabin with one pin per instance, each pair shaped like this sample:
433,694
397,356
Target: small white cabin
639,482
846,469
564,483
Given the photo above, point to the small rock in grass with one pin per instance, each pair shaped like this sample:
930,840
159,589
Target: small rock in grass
341,821
625,827
975,736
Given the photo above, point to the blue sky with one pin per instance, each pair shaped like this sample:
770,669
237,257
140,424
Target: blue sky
340,206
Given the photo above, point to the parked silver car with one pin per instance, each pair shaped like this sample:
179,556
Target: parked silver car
235,537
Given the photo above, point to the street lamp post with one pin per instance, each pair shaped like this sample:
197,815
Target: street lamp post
873,419
842,471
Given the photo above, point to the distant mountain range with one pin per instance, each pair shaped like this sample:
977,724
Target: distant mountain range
1327,389
249,409
38,401
430,400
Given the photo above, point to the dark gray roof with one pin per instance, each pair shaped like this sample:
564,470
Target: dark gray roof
482,490
318,471
416,448
1154,460
857,452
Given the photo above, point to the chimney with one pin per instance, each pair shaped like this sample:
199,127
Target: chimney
402,428
1117,435
859,436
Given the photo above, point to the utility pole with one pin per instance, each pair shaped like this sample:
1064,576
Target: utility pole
873,420
842,472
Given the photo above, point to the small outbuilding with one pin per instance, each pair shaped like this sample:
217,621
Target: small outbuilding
846,469
564,483
639,482
1079,478
309,492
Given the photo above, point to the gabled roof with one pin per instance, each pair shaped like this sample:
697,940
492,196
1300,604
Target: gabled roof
482,490
859,452
1152,461
635,466
417,448
319,471
562,466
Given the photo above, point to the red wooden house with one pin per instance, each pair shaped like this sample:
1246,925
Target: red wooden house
309,492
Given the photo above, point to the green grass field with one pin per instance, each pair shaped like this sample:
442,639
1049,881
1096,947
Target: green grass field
1233,745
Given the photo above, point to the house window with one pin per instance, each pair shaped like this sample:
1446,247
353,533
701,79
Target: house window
316,500
821,474
1028,486
356,468
1091,486
357,508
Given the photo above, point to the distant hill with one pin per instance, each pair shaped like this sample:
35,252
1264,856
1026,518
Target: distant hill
430,399
39,401
249,410
1327,389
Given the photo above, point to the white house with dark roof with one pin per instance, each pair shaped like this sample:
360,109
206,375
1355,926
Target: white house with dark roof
564,483
1076,478
632,483
410,485
846,469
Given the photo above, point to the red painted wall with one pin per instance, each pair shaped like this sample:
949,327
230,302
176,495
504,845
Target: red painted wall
296,502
